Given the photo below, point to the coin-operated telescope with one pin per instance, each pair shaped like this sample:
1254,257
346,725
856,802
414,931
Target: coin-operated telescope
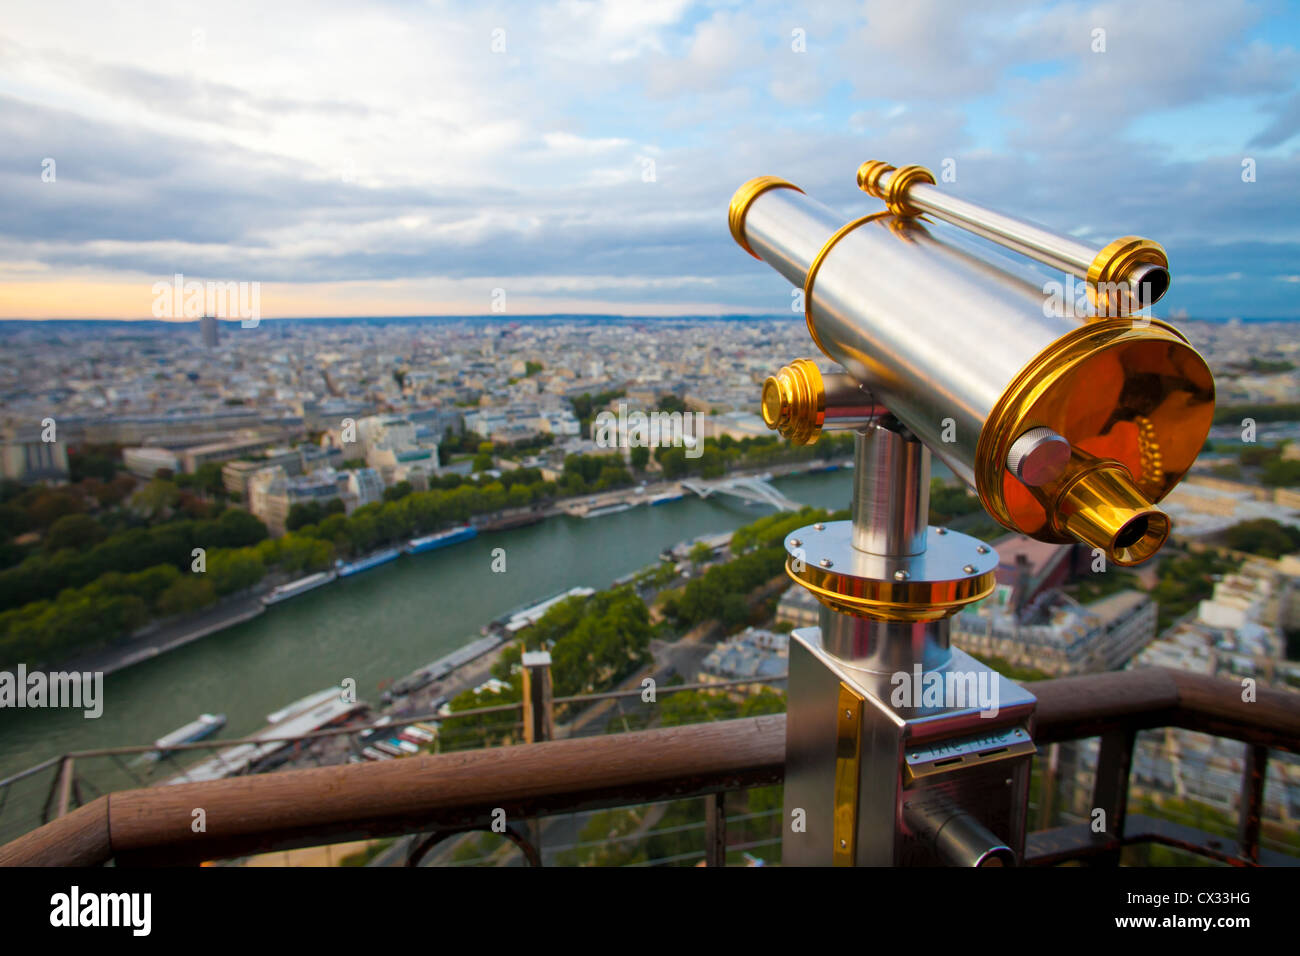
1069,423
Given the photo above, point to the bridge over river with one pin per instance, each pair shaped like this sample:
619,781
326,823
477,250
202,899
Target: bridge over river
750,488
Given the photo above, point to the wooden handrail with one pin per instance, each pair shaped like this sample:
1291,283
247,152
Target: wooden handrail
295,808
276,811
1088,706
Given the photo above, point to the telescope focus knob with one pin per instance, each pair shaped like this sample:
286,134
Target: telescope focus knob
800,402
1038,456
794,402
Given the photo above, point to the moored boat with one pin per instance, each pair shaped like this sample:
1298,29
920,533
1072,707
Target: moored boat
301,586
347,569
607,510
205,726
442,539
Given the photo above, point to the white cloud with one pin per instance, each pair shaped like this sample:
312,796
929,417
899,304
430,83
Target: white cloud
336,144
567,143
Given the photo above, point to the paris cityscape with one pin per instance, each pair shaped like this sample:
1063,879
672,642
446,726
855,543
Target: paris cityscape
718,434
164,424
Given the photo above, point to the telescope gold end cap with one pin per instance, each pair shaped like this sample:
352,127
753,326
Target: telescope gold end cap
1104,509
894,195
1126,275
869,174
775,409
741,201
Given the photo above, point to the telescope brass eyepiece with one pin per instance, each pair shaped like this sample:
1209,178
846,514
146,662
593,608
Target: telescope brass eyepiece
1099,505
1127,275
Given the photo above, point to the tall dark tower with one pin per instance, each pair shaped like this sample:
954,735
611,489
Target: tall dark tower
208,326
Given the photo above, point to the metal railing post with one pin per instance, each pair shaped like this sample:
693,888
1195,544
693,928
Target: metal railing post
1252,801
715,829
1110,790
539,722
60,791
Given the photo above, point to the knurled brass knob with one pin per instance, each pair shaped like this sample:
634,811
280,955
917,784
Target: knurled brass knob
794,402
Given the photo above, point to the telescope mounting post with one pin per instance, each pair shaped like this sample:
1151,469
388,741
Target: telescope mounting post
900,772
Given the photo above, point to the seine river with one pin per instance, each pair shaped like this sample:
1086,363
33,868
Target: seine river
375,627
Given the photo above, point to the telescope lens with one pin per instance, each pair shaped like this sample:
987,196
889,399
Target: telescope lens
1133,532
1149,283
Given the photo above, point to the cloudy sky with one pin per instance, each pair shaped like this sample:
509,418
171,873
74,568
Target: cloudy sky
390,158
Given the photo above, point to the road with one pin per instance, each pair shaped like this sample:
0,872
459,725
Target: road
170,636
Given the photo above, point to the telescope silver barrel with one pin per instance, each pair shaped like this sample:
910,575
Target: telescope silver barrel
1124,276
1099,417
1027,238
931,307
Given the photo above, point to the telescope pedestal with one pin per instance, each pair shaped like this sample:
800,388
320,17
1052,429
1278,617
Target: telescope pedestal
900,750
890,785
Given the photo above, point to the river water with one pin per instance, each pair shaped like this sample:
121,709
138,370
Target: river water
374,627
